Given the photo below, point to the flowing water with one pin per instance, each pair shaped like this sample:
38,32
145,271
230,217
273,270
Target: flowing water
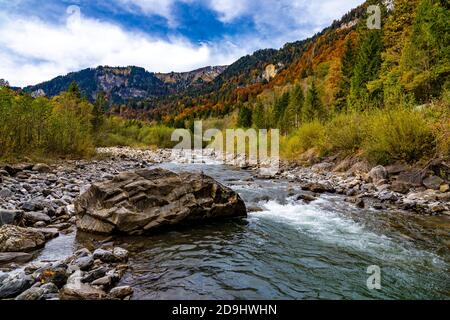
289,250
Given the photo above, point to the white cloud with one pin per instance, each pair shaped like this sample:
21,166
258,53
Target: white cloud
32,51
229,9
161,8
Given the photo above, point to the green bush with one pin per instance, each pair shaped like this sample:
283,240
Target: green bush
309,135
345,133
401,134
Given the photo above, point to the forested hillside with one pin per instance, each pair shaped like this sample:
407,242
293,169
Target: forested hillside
379,93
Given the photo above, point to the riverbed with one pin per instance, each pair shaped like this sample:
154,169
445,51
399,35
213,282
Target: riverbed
287,249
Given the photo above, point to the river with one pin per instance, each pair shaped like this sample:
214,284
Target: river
289,250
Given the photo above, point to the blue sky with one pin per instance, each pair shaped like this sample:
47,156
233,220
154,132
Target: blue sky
43,39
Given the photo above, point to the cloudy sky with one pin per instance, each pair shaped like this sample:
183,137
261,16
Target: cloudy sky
41,39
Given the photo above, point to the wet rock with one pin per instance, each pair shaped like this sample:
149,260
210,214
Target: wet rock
433,182
104,256
14,285
14,257
94,275
360,203
76,290
121,292
378,173
306,198
120,254
16,239
10,217
84,263
104,282
34,293
254,209
136,202
49,288
55,274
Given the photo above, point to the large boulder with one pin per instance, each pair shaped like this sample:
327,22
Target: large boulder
16,239
137,202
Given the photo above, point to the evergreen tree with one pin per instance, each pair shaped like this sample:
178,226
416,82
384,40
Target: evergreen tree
98,110
74,90
425,62
293,113
367,67
245,117
280,107
313,108
347,64
259,116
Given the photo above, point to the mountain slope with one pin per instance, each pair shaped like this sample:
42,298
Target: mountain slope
123,84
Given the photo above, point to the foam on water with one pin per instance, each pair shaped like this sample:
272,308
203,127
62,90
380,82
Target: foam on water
334,228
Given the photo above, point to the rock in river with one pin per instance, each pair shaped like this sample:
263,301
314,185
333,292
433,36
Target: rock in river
16,239
136,202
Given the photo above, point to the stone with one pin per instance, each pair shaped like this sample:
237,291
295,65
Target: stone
387,196
141,201
31,206
76,290
359,168
433,183
411,178
396,169
14,257
306,198
104,255
10,217
6,193
34,293
105,281
444,188
83,252
94,275
378,173
49,288
42,168
84,263
49,233
322,167
56,275
400,187
120,254
14,285
317,187
17,239
33,217
121,292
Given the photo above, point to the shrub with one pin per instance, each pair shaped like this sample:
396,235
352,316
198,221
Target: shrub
345,133
309,135
400,134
